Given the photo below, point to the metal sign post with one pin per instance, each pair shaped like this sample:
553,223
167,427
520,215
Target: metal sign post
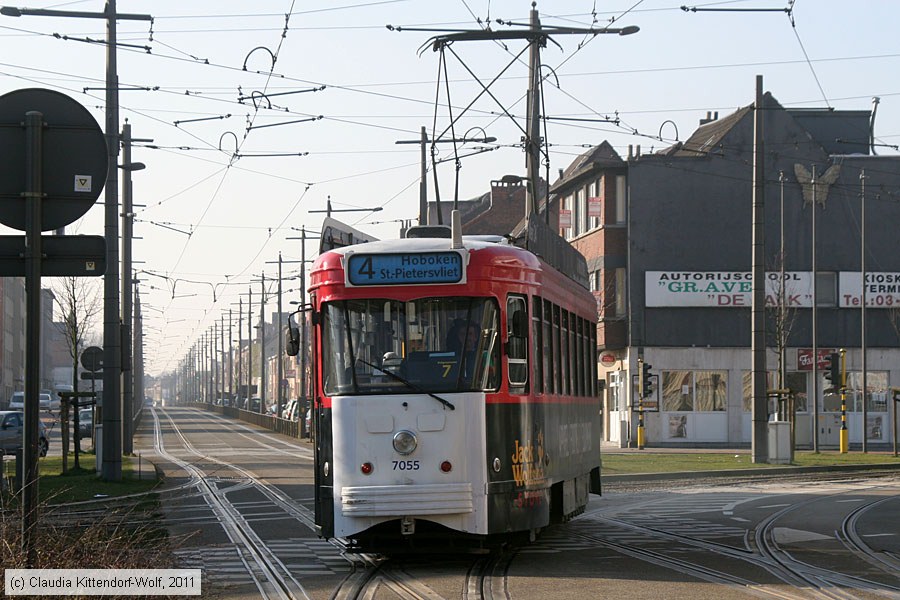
45,186
34,159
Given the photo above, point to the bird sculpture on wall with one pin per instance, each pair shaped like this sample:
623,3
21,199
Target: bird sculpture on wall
817,191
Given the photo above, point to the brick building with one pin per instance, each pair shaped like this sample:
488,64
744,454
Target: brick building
667,237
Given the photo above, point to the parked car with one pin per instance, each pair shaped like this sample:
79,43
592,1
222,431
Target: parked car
290,410
86,423
12,422
254,404
17,401
45,401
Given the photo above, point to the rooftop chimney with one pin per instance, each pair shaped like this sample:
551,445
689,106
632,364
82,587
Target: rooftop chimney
710,117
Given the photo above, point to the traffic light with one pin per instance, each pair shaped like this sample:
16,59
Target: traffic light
640,378
647,381
833,369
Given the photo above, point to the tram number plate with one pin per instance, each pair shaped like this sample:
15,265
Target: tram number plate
406,465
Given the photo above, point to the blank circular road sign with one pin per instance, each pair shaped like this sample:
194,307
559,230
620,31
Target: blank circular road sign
92,358
74,165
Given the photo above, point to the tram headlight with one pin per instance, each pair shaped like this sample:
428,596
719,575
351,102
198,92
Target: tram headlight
405,442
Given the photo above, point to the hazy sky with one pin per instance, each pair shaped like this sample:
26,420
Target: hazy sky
215,212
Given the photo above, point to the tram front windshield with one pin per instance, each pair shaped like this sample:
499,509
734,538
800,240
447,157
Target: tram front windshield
377,346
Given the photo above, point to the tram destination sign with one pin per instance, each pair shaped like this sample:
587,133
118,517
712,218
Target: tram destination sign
405,268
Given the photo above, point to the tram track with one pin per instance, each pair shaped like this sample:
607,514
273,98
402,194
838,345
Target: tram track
363,568
670,557
763,551
488,577
828,583
849,536
267,572
757,563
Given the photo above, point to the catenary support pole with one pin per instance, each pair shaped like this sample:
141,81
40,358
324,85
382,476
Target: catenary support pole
760,450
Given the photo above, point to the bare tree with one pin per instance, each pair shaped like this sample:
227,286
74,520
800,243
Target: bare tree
783,317
78,300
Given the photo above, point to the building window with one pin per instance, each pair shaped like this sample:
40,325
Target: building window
616,391
566,226
796,381
826,289
594,192
700,391
620,199
578,213
620,293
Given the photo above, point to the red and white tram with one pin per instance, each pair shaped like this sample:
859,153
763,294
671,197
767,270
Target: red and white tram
456,392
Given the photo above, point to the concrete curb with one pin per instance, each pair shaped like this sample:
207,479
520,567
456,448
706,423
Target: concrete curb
771,471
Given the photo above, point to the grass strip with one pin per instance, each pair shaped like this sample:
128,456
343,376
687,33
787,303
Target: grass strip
671,462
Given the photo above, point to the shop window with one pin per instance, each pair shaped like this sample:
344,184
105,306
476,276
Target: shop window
796,381
878,393
677,391
701,391
709,389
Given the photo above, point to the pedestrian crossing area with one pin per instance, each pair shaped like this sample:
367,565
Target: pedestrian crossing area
302,557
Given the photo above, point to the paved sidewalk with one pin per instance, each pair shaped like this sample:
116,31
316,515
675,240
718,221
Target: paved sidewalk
141,467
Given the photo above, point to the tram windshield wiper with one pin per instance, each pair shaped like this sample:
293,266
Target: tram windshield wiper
408,383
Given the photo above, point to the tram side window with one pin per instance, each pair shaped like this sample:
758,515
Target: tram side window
517,345
548,348
580,348
557,359
592,347
586,345
537,344
565,356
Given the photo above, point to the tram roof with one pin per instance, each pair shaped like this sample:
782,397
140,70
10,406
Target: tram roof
470,242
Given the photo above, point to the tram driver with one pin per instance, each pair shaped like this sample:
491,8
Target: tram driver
463,340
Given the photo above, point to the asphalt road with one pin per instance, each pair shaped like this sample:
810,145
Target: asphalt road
239,502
